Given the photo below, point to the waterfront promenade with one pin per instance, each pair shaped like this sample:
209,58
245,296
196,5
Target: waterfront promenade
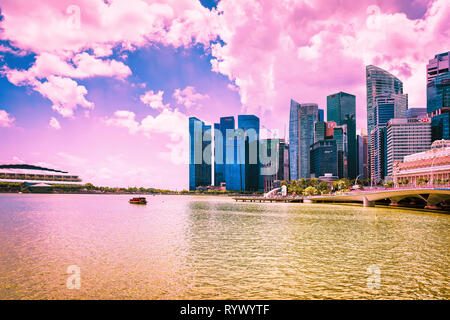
432,196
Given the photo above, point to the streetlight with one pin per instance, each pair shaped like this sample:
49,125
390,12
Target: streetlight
356,186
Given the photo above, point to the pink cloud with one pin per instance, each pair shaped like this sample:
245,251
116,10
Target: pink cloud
189,97
65,94
85,66
307,50
5,119
54,123
169,123
154,100
71,26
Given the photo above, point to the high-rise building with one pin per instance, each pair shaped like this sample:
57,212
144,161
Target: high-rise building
199,156
220,133
286,173
378,82
320,130
387,107
341,108
294,139
307,114
406,136
321,115
416,112
242,166
438,96
273,168
362,155
340,136
324,158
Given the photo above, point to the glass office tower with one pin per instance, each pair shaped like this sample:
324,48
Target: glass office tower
293,140
226,123
324,158
387,107
378,82
362,154
438,96
301,137
242,166
341,108
199,157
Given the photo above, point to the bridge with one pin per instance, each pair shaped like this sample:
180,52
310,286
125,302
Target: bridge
432,196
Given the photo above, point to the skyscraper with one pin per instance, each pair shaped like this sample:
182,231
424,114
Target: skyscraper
416,112
378,82
340,136
324,158
275,149
438,96
242,166
362,154
226,123
301,137
387,107
199,154
341,108
321,115
294,140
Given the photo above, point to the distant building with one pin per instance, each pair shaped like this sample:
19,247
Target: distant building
362,156
438,96
320,131
273,171
324,158
242,166
431,167
341,108
199,161
378,82
226,123
340,136
406,136
301,137
286,173
321,115
416,112
36,176
387,107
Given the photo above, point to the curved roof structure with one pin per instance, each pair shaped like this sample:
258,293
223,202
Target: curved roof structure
28,167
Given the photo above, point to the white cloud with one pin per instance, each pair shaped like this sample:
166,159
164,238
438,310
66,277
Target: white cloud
154,100
54,123
65,95
189,97
5,119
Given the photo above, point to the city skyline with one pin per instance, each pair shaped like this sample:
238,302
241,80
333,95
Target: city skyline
115,110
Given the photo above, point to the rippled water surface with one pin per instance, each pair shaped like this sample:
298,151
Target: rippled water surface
181,247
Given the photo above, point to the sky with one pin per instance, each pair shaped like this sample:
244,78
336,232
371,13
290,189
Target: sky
104,89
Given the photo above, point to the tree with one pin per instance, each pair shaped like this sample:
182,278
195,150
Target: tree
389,184
323,187
310,191
89,186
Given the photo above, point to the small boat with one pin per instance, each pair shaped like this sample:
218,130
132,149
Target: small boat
139,200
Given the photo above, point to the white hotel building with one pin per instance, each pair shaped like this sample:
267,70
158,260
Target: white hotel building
431,167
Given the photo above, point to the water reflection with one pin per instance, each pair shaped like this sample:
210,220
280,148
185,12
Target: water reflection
180,247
